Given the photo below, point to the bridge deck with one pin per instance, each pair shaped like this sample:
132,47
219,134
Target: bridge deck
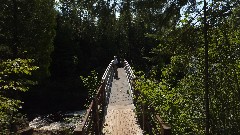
120,118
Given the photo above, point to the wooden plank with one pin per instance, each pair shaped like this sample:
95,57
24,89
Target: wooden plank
107,70
88,130
78,130
103,104
85,119
26,131
99,91
96,116
88,113
92,113
165,128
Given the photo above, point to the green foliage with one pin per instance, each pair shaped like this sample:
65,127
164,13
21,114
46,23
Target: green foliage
37,30
91,83
13,72
13,79
178,95
27,32
180,107
92,32
148,33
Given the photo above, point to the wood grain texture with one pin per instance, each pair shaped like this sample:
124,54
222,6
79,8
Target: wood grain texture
120,118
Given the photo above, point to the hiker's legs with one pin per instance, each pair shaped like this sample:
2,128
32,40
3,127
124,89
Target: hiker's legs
115,71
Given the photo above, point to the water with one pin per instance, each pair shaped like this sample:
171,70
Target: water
57,121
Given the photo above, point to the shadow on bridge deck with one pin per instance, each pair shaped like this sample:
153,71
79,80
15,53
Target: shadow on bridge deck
112,111
120,118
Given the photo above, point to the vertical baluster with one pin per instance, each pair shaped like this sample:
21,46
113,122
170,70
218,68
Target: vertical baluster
103,102
96,116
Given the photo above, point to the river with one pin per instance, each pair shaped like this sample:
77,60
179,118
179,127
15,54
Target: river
57,121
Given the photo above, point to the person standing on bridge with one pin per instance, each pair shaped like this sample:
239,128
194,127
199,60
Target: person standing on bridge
115,66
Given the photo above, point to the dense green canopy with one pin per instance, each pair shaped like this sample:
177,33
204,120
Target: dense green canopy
45,47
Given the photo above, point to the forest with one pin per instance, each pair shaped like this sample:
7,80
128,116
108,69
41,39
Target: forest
185,54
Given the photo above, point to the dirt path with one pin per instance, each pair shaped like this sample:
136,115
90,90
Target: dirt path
120,117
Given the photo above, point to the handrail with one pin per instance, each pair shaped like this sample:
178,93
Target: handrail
147,112
107,70
93,119
130,76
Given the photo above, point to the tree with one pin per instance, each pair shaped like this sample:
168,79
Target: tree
14,78
178,94
26,34
28,31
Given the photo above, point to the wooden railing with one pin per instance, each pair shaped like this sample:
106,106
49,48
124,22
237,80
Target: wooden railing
93,120
130,76
92,123
150,121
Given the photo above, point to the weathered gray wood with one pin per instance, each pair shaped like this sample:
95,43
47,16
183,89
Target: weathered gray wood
120,117
93,121
165,128
26,131
78,130
96,116
92,115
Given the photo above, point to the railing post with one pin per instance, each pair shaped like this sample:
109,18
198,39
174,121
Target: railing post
165,128
143,115
103,95
79,130
96,116
93,114
103,102
165,131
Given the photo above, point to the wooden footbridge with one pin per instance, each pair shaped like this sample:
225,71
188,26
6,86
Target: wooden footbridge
113,110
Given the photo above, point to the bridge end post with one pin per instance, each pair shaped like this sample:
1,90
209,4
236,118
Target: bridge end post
103,85
78,130
96,116
103,102
165,128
